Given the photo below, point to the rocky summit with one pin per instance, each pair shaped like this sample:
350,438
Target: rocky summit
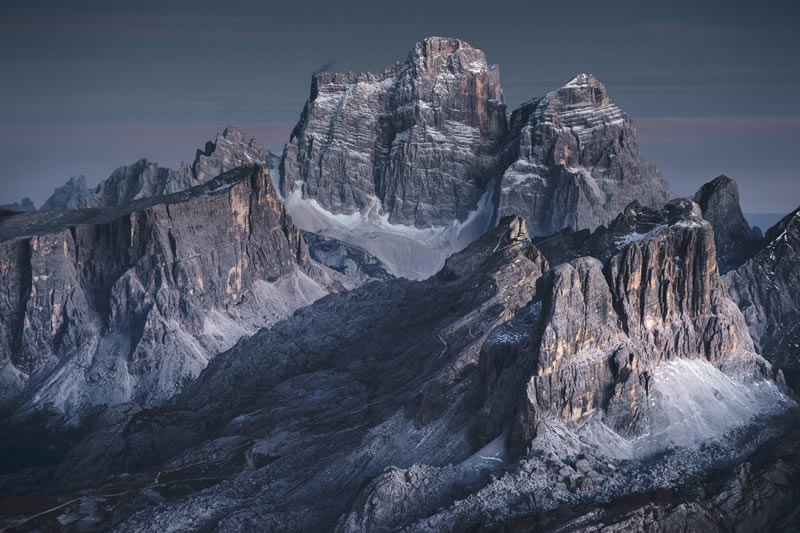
436,317
414,143
145,178
735,239
503,391
572,160
423,152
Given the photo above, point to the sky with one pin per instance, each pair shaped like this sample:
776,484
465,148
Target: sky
86,87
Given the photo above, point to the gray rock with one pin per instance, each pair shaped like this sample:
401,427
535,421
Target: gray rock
419,158
71,195
103,306
144,178
572,160
566,471
734,238
583,466
765,288
229,150
415,142
359,415
23,206
348,259
605,330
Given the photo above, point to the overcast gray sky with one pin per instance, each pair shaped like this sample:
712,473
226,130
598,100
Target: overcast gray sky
86,87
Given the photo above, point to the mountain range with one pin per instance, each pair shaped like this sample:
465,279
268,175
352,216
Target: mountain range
429,314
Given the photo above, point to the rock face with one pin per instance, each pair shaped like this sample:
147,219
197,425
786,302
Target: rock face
606,329
489,394
23,206
572,160
342,257
422,153
231,149
71,195
145,179
765,288
735,239
414,143
102,306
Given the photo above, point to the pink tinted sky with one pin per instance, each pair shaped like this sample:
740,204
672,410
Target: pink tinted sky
758,152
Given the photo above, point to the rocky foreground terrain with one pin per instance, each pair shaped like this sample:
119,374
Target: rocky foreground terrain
430,316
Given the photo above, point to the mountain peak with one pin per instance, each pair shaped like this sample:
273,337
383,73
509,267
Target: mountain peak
453,55
565,147
69,196
230,149
77,181
442,45
231,132
583,80
508,240
584,89
349,160
735,239
23,206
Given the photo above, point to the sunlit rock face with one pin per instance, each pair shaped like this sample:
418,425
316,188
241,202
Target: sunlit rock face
576,381
102,306
400,163
606,330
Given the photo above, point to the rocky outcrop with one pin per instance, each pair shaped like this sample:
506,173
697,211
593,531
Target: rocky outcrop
605,329
340,391
572,160
415,143
145,179
71,195
345,258
422,154
735,240
23,206
765,288
229,150
590,379
103,306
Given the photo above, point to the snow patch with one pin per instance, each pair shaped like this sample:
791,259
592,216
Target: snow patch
690,402
408,251
634,237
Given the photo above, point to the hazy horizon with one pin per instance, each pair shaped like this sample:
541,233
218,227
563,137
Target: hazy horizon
711,88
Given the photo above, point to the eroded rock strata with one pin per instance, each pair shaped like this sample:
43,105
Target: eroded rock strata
766,289
415,142
603,377
145,178
735,239
423,154
103,306
500,390
572,161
